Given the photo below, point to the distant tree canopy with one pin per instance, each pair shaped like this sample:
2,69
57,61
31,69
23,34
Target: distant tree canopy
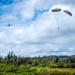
51,61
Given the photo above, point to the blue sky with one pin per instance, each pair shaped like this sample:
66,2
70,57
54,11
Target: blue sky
34,28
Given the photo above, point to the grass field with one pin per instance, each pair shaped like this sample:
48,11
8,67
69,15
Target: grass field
55,69
12,69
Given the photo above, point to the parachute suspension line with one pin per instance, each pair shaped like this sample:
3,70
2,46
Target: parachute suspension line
57,20
56,10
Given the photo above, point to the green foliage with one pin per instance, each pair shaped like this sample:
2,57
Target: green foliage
17,65
51,61
2,67
11,68
26,70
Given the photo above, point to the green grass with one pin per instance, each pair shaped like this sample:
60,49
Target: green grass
55,69
12,69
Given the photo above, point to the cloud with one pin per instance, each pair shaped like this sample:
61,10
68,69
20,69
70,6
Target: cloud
66,1
39,36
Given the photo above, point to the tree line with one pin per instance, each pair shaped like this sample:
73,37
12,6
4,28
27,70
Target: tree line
50,61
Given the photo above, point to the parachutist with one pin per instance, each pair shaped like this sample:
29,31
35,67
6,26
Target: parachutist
58,28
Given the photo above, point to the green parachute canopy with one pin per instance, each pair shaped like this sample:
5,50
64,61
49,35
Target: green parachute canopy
58,10
68,12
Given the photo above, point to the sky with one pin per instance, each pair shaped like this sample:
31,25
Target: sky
34,27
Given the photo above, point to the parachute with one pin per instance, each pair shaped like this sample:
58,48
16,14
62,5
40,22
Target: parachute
56,10
69,13
59,9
